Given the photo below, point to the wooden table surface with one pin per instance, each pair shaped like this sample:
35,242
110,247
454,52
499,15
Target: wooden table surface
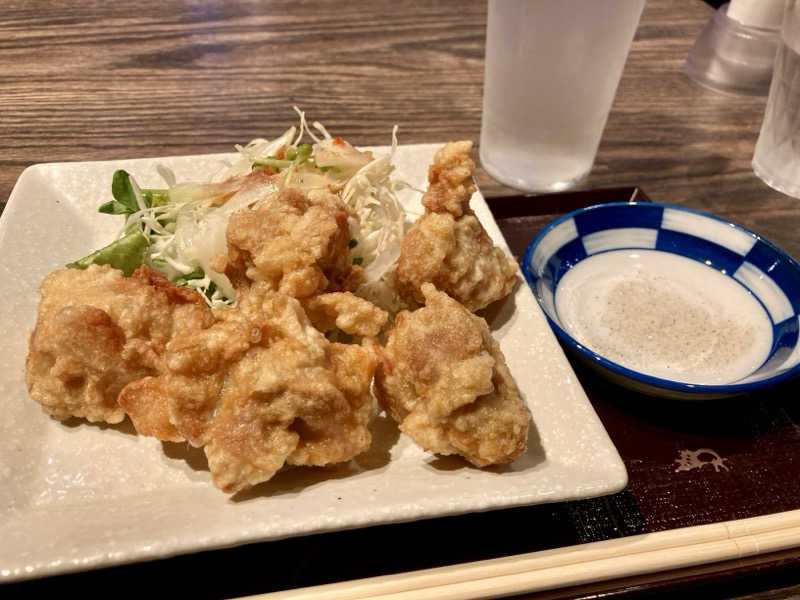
111,80
106,80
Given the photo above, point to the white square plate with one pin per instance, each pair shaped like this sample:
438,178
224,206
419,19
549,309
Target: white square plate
76,496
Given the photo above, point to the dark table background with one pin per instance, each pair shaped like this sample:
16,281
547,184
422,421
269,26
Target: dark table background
103,80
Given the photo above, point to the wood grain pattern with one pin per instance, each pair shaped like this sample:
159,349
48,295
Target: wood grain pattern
115,80
110,80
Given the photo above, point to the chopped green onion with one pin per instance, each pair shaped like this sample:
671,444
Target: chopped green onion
304,151
197,273
265,163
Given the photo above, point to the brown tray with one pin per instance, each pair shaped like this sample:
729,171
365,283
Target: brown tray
667,446
754,438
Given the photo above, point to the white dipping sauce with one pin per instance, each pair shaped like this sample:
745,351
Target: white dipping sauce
664,315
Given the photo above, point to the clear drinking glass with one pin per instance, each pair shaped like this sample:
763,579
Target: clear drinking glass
777,156
552,70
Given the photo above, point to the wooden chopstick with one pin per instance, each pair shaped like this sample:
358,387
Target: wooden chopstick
572,565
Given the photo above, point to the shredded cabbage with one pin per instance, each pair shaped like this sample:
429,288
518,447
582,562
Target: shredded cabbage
370,193
186,231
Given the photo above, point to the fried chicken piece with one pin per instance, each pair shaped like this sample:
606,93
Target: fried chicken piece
447,246
450,183
147,406
457,256
444,379
296,243
260,388
96,331
347,312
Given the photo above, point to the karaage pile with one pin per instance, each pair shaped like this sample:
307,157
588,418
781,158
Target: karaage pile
261,384
97,331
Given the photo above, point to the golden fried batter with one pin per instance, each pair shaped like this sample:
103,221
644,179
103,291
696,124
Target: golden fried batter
147,405
347,312
444,379
96,331
261,388
447,246
258,385
450,184
297,243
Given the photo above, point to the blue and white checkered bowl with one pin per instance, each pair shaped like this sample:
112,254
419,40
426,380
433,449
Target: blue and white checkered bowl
766,272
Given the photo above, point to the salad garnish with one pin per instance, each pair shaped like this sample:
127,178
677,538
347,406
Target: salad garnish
179,229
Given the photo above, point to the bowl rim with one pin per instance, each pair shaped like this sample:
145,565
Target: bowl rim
650,380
